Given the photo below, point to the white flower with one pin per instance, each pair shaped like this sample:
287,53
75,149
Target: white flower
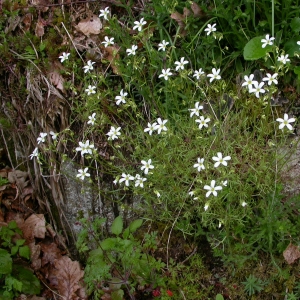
214,75
198,74
92,119
64,56
83,173
35,153
196,110
284,59
165,73
146,165
224,183
244,204
114,133
157,193
220,159
116,180
267,41
210,28
257,88
162,46
89,66
206,206
180,64
139,181
41,138
126,178
212,188
132,50
108,41
202,122
191,193
150,128
85,147
53,135
298,43
200,166
121,97
104,13
249,81
90,90
271,78
139,24
286,122
161,125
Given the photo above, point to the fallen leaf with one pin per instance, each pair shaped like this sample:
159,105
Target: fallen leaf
113,56
68,275
90,25
57,80
34,227
180,19
27,21
50,253
197,10
35,251
39,28
291,253
41,4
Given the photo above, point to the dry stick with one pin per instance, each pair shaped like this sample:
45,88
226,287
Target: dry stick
10,160
52,290
72,41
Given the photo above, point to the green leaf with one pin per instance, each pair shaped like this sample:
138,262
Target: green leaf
117,225
108,244
14,250
219,297
133,226
24,251
297,71
20,242
12,225
253,49
5,262
291,47
295,24
30,283
117,295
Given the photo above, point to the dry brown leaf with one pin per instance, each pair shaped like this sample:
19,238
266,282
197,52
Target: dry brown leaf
197,10
113,56
41,4
57,80
27,19
39,28
186,12
180,19
90,25
34,226
68,275
50,253
291,253
35,251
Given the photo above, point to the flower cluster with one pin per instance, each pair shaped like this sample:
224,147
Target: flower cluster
159,126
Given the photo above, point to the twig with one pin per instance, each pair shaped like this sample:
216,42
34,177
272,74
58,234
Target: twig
10,160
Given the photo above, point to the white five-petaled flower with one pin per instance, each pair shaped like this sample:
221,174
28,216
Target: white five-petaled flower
200,165
139,181
64,56
53,135
202,122
257,88
180,64
244,204
161,125
162,46
220,159
298,43
139,24
132,50
35,153
249,81
41,138
92,119
212,189
267,41
146,165
121,97
196,110
286,122
108,41
224,183
85,147
89,66
104,13
126,178
198,74
284,59
165,73
150,128
90,90
83,173
210,28
114,133
271,78
214,75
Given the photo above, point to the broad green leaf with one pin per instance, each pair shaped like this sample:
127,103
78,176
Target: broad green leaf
5,262
136,224
219,297
20,242
291,47
115,284
253,49
108,244
117,295
295,24
12,225
297,71
30,283
14,250
117,225
24,251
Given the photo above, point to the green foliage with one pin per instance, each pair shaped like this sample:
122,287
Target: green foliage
219,297
15,278
253,285
3,181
